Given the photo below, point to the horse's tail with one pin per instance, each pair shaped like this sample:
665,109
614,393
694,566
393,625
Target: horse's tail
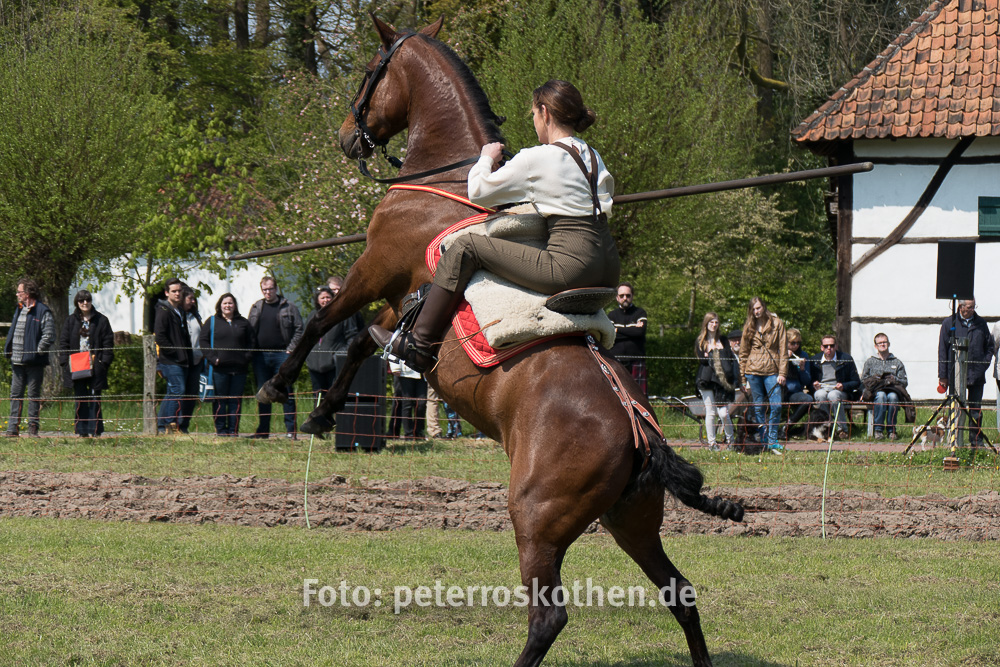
684,481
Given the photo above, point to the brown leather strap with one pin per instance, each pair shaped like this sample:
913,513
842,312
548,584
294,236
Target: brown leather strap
591,175
637,414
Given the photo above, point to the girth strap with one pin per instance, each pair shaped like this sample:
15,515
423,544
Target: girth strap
637,414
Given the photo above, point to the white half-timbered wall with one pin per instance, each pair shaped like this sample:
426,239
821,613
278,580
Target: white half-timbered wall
126,314
902,281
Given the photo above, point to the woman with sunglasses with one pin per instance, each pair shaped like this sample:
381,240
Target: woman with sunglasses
87,330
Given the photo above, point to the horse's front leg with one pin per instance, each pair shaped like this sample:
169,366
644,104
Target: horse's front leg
358,290
321,419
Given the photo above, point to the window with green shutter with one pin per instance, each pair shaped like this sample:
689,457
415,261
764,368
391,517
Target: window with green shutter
989,216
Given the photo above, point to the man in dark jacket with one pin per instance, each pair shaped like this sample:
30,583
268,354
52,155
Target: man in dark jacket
277,327
31,335
835,379
967,324
174,358
630,335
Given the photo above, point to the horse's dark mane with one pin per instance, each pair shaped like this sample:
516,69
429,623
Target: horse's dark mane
469,82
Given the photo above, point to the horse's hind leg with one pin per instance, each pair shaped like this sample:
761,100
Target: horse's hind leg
363,346
541,563
635,522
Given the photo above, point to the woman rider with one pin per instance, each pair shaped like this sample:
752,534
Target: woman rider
567,183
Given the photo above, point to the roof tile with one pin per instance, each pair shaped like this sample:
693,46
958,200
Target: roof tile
937,78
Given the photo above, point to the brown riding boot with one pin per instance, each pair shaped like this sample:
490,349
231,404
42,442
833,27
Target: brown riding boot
414,347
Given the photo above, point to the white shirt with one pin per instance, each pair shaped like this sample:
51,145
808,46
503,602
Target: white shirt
547,177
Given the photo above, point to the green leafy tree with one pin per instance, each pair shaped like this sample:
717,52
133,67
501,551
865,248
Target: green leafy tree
315,191
81,127
202,210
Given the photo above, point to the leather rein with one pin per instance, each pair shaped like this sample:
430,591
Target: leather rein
359,107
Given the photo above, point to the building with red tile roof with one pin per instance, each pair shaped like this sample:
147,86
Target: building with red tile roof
926,112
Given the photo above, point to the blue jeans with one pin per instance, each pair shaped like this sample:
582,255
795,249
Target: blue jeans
170,408
265,366
30,378
190,401
765,390
227,402
886,404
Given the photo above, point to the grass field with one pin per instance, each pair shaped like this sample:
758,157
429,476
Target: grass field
472,460
81,593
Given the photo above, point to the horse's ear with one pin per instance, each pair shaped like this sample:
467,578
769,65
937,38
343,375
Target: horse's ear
432,30
385,31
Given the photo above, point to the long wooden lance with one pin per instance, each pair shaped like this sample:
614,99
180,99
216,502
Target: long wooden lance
756,181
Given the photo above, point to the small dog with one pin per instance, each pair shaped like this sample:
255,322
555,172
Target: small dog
933,435
821,433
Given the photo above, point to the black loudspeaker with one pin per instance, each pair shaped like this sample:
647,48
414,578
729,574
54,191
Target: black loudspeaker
360,425
369,383
956,270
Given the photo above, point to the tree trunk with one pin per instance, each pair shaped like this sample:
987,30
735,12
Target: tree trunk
241,24
56,298
262,30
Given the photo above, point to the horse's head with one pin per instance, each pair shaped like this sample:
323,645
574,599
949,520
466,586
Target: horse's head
379,109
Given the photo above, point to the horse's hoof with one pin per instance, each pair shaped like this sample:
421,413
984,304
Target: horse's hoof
317,425
269,393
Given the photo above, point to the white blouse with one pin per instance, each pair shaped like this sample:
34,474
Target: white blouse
546,176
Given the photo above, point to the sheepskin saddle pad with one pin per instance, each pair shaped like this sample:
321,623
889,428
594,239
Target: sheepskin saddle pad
512,314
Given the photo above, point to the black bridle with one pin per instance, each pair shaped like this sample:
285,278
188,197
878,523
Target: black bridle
359,107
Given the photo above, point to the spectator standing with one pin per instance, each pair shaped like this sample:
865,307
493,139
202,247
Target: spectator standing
834,380
968,324
87,330
343,333
718,375
798,381
337,340
229,358
996,366
630,335
413,391
321,363
174,357
192,318
763,365
738,409
432,424
277,328
884,376
454,422
31,335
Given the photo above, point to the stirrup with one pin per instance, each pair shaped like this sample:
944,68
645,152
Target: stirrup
581,301
403,349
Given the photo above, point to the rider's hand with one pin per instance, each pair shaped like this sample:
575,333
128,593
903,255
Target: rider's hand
493,151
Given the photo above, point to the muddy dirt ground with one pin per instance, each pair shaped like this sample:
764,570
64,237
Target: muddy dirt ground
370,504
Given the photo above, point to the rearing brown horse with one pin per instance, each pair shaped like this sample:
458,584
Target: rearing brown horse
570,442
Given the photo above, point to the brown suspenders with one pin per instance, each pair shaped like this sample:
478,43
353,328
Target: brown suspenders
591,175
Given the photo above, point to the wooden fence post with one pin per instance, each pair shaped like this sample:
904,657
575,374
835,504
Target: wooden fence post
148,385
